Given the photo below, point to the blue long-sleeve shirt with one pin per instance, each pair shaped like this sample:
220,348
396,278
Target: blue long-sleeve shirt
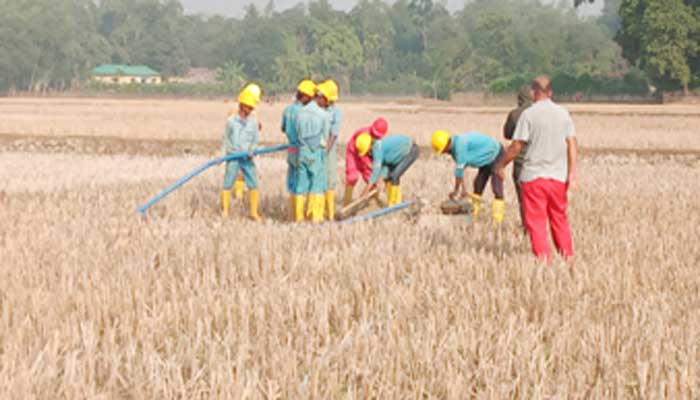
473,150
388,152
312,124
289,117
241,134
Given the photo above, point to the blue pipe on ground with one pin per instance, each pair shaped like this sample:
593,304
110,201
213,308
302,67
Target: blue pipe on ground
379,213
235,156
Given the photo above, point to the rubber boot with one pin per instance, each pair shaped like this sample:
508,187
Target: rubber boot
398,198
330,204
254,204
475,201
238,189
225,202
316,206
389,194
292,207
299,203
347,197
498,211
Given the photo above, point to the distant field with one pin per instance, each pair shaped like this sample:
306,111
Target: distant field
671,127
96,302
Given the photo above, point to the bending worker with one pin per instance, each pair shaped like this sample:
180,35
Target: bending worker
479,151
242,135
356,165
306,90
391,158
256,91
312,124
327,97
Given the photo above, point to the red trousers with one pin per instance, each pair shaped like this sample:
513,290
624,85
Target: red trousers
545,200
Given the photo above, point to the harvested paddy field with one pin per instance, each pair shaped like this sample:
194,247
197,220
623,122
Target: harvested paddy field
96,302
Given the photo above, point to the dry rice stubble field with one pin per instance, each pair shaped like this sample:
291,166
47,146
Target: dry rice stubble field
95,302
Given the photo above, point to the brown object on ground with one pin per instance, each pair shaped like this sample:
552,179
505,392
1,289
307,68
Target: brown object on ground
357,205
455,207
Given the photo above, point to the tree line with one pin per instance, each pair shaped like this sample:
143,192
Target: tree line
408,47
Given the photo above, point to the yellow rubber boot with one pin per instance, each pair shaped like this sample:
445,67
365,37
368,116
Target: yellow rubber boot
238,188
291,215
254,204
475,200
330,204
398,198
309,206
499,211
316,206
389,194
347,197
225,202
299,203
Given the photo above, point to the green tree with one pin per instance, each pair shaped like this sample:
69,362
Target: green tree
146,32
322,10
47,45
610,17
231,74
369,18
292,65
404,46
449,55
256,44
337,52
422,14
659,35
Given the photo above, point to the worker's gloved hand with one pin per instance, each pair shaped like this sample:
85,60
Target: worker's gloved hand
251,154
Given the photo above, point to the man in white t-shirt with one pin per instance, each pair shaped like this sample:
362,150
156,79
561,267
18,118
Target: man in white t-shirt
546,137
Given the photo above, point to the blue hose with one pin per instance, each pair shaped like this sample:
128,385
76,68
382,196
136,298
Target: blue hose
378,213
236,156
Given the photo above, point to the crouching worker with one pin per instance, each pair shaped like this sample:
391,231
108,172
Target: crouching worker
242,135
391,158
356,165
479,151
312,123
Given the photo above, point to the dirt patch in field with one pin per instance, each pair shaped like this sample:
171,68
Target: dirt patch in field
107,145
661,113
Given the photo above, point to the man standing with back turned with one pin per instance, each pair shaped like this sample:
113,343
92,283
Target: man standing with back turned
546,137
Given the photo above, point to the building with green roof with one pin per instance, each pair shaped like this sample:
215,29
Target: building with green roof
125,74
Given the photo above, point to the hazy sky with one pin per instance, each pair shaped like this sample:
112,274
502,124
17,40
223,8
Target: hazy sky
235,7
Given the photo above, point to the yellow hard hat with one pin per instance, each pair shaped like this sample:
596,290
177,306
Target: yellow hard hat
307,87
363,143
439,141
254,89
329,90
247,98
